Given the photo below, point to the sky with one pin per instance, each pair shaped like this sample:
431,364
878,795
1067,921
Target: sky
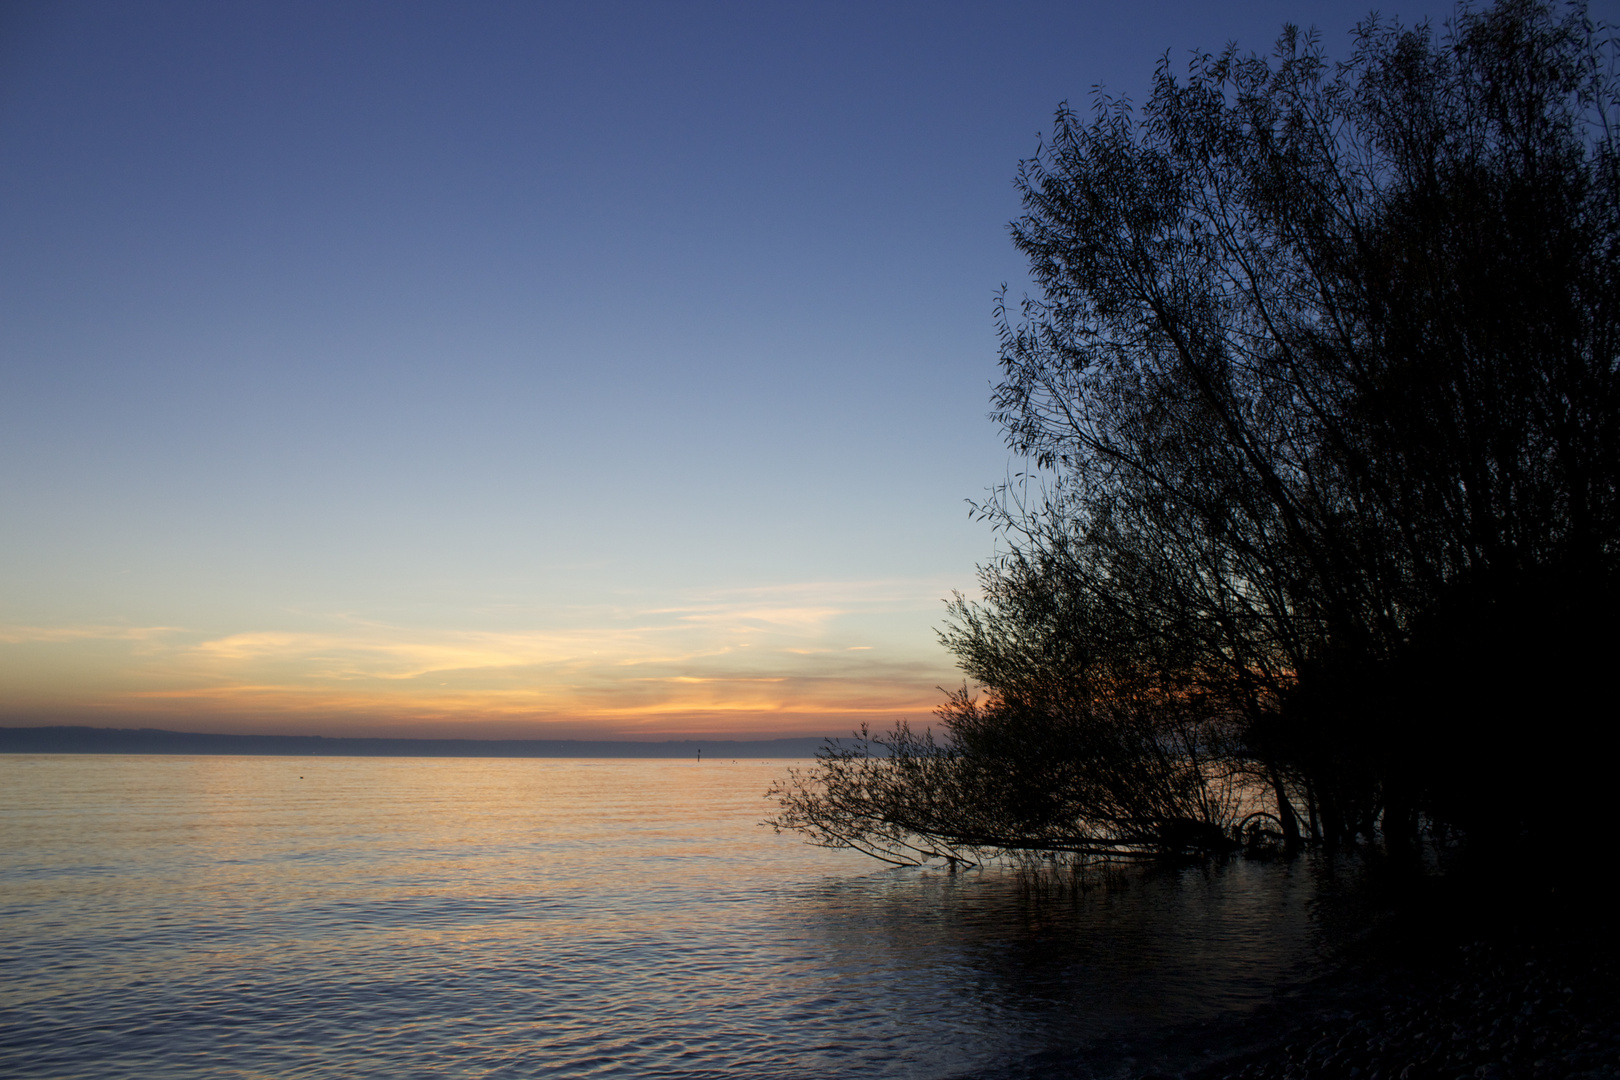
551,370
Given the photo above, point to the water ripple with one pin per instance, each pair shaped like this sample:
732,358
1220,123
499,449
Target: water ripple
296,917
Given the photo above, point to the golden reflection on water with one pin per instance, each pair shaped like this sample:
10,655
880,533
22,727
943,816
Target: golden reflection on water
211,916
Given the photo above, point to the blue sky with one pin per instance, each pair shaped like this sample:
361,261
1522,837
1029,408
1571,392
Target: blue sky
598,370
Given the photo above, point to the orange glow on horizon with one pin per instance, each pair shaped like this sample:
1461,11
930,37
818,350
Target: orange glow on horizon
746,666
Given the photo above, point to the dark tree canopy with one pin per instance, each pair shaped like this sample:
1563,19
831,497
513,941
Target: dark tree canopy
1321,388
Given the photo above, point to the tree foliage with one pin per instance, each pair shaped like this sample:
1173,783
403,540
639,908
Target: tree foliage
1321,386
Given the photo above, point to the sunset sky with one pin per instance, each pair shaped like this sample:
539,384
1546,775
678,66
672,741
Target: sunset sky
517,369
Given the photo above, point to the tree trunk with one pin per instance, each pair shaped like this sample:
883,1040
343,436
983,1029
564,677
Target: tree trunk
1285,811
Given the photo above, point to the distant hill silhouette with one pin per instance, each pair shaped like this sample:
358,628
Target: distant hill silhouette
90,740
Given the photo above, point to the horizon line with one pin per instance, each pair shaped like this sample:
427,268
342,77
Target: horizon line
84,739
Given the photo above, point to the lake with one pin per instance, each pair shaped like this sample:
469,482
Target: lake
250,917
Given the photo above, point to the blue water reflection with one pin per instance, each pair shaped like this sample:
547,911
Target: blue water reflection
244,917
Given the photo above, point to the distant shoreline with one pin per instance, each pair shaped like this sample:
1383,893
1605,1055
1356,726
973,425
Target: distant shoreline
92,740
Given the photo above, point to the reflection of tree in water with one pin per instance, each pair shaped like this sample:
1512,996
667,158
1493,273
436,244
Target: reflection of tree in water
1004,971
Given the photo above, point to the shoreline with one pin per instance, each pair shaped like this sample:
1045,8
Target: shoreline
1474,976
1452,981
1505,1012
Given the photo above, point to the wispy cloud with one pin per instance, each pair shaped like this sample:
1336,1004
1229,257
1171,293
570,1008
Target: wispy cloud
798,656
24,635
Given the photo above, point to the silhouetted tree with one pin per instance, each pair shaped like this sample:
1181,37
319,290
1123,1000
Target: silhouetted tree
1322,387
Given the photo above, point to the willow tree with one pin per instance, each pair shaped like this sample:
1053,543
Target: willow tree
1321,390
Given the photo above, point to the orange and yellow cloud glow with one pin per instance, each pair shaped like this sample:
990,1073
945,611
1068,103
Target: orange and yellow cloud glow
812,659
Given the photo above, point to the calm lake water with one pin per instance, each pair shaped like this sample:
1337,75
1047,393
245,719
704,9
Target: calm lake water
256,917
